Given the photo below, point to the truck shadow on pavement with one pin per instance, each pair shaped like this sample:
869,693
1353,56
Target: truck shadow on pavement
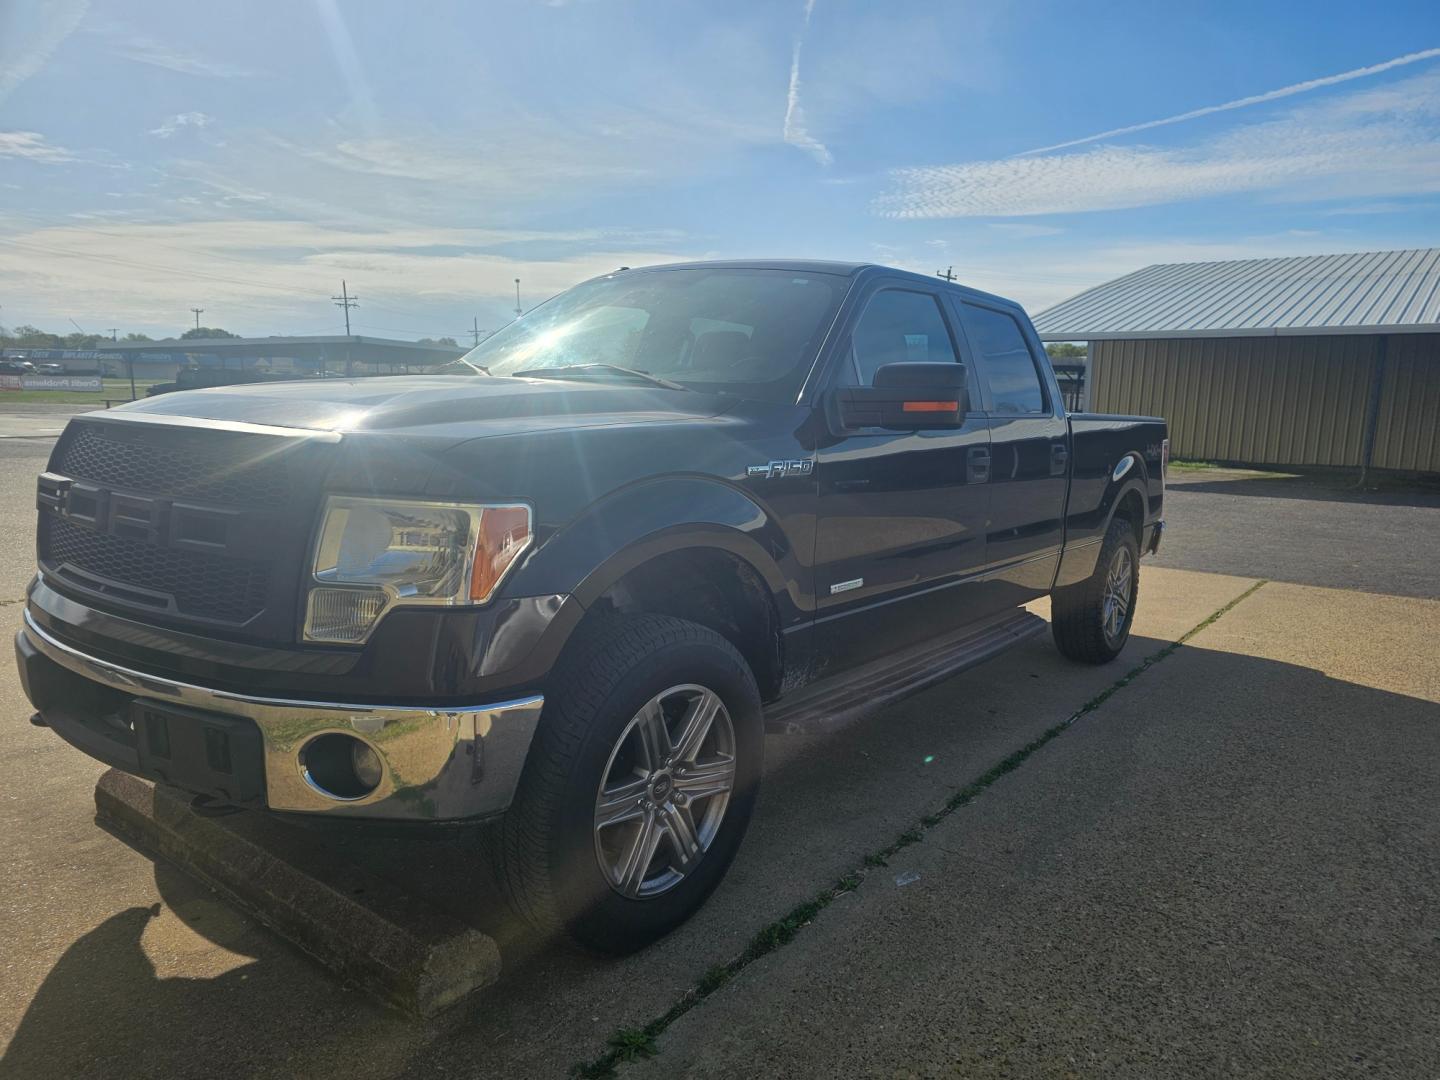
1357,768
105,1010
1313,488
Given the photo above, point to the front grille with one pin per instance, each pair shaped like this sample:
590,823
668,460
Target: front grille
223,468
195,527
202,586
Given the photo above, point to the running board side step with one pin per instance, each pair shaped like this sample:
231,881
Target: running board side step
844,698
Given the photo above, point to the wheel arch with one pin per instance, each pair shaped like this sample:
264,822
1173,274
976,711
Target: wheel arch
723,562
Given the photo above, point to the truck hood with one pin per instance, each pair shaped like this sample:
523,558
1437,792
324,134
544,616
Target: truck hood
457,406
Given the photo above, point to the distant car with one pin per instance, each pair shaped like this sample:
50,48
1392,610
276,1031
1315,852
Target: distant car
50,369
16,367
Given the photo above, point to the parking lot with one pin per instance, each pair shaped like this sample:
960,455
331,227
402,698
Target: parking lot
1215,857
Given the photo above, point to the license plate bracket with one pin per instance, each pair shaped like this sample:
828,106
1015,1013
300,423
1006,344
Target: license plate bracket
210,754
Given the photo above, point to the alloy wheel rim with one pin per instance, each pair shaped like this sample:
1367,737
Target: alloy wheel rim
664,791
1115,601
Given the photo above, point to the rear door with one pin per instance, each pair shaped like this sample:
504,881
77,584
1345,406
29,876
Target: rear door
1030,450
901,514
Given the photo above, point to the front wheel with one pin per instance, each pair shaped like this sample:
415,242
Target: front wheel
1091,620
639,786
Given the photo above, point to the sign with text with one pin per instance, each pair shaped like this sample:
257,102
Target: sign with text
88,383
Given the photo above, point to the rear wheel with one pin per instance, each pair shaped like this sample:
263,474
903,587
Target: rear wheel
639,786
1091,620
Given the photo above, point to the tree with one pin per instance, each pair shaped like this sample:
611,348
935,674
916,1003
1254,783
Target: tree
35,338
85,341
439,341
1064,350
137,337
206,332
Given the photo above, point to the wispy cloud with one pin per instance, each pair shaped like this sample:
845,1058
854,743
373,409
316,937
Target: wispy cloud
1246,102
1370,209
1324,151
32,146
257,274
144,49
1024,230
169,127
30,33
795,131
342,47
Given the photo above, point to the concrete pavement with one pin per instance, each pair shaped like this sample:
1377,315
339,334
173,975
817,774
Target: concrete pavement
30,420
1226,869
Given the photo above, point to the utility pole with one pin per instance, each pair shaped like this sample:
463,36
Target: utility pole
346,301
518,312
475,323
112,331
197,311
948,275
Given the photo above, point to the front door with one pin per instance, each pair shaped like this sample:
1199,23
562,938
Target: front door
901,514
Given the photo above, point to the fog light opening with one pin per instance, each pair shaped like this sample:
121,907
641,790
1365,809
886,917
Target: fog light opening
340,767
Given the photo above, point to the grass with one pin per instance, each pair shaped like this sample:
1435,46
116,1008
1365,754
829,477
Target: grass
1192,466
628,1044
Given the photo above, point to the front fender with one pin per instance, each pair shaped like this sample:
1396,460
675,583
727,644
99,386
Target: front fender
652,518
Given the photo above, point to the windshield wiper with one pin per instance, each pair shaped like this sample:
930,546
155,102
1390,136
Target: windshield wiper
559,372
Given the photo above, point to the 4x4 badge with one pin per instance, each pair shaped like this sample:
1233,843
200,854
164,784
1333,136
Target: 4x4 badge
776,469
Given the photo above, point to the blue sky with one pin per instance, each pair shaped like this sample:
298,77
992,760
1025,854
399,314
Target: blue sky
244,158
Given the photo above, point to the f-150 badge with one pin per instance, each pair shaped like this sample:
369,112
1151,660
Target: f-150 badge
776,469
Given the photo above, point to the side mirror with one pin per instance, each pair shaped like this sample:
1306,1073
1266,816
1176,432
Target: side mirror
906,397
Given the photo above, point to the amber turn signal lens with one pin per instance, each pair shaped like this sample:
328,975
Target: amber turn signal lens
932,406
504,536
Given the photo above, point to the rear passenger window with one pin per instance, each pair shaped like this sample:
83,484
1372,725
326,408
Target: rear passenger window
1005,357
898,327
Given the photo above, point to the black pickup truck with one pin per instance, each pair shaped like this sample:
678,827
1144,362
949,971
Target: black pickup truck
573,584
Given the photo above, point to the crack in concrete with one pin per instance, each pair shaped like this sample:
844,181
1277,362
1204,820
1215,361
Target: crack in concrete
631,1044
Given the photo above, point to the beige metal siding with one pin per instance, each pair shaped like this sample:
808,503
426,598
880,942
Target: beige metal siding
1408,433
1262,400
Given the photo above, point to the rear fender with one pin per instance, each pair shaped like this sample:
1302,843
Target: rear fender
1081,555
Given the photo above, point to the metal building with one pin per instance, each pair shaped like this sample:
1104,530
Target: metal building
1328,360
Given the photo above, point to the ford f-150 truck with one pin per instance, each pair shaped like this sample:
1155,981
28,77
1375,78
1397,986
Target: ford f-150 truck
572,584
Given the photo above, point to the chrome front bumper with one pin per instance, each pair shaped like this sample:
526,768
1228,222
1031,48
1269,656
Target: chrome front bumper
438,764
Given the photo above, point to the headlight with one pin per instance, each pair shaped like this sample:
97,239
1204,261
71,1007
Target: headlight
375,554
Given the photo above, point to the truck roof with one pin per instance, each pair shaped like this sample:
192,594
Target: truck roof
821,266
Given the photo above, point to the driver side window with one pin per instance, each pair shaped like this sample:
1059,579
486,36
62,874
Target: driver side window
898,326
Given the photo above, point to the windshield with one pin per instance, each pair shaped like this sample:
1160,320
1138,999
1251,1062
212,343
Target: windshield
752,332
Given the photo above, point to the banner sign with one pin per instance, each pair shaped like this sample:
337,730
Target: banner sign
61,354
91,383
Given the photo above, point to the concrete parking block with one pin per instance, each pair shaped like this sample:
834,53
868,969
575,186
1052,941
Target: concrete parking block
362,928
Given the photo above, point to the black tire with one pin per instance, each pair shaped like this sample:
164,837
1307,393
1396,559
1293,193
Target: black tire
1079,619
546,847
